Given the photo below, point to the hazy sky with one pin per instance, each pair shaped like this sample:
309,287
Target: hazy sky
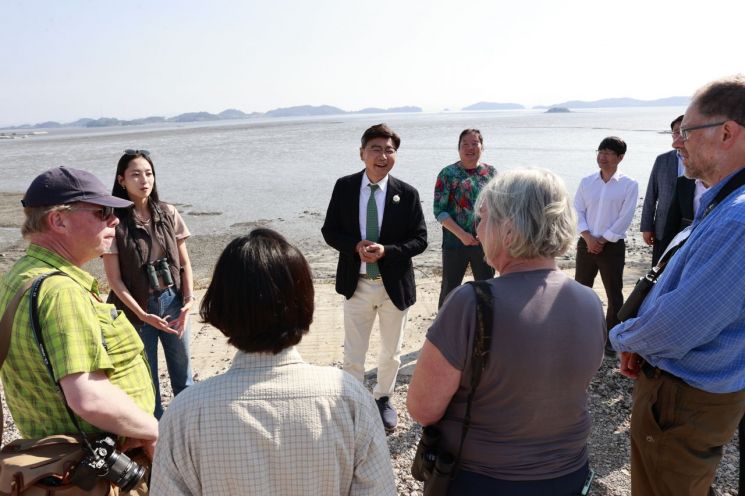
65,59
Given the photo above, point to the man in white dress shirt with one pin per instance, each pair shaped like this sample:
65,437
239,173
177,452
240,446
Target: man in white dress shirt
605,204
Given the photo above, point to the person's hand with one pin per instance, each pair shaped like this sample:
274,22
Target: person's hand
158,322
375,251
179,323
468,240
594,245
147,445
363,250
648,237
631,364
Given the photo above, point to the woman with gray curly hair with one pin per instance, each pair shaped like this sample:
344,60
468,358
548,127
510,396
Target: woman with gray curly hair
529,422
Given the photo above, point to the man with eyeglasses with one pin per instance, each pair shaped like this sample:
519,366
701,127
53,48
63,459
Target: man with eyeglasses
376,223
95,354
660,190
605,203
686,347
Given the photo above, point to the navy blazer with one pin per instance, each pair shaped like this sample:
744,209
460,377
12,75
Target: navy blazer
659,194
403,233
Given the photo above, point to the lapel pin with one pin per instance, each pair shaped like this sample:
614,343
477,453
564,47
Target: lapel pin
396,198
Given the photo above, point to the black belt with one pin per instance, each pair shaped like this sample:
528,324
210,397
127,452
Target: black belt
653,372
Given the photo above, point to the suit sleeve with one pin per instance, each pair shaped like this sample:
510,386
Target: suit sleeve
650,199
674,216
333,231
415,241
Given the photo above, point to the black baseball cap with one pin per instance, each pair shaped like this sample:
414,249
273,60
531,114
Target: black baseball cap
63,185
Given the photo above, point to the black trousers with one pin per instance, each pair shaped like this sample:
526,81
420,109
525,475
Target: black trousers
454,264
609,263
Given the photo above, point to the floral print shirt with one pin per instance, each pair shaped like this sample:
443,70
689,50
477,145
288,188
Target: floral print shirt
456,191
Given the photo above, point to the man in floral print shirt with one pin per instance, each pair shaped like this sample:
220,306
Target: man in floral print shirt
457,187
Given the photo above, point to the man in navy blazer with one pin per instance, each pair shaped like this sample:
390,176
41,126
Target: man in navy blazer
376,276
667,167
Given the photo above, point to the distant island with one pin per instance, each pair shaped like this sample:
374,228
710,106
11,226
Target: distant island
321,110
673,101
558,110
298,111
494,106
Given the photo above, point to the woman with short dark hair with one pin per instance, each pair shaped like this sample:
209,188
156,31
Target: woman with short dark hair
529,420
271,424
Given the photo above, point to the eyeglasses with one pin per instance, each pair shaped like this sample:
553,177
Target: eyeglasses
684,131
130,151
104,213
377,150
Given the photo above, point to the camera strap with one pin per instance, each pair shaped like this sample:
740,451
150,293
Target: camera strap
34,314
480,353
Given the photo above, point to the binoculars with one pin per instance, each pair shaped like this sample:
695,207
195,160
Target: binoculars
159,268
432,466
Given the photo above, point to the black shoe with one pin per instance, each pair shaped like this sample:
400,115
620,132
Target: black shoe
387,414
609,351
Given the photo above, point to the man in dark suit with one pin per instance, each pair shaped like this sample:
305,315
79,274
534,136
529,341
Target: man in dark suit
683,207
376,223
667,167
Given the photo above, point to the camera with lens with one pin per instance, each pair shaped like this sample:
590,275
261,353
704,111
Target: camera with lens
431,465
159,268
106,461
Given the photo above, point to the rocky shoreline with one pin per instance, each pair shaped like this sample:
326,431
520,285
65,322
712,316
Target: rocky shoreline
609,393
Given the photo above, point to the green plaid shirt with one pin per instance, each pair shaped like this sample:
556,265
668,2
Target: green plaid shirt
73,321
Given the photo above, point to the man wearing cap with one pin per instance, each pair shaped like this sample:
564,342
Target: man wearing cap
95,353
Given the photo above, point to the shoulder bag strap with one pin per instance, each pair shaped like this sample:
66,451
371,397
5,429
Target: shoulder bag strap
36,326
6,323
6,331
480,354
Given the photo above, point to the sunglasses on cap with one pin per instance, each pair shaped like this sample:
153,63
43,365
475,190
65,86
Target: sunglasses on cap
130,151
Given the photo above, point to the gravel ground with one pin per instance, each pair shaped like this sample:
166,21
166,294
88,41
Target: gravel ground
610,393
610,403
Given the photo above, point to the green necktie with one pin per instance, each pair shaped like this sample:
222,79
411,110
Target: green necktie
371,229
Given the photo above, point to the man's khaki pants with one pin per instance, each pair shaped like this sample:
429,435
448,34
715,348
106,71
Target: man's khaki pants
677,434
370,299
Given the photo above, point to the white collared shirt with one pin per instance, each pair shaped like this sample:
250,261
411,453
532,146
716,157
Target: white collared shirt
698,191
681,166
606,209
379,202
